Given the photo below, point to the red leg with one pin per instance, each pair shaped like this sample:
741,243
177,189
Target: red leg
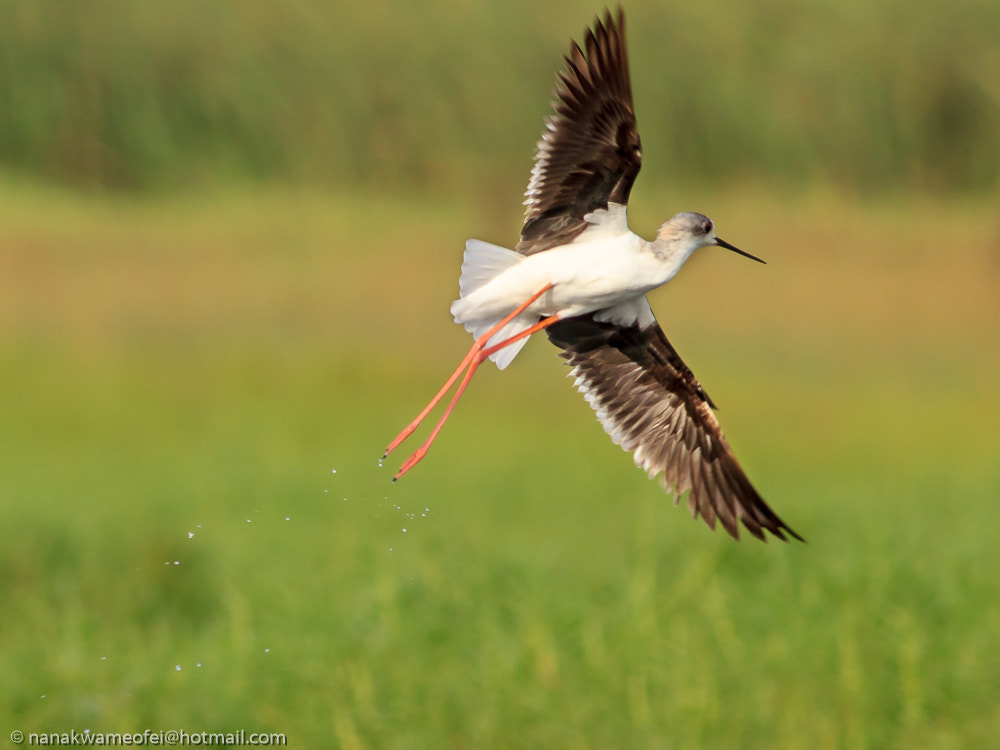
476,347
477,359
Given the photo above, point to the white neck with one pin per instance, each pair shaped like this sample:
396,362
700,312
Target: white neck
673,252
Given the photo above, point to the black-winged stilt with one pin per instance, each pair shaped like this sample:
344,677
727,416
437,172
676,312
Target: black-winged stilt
582,275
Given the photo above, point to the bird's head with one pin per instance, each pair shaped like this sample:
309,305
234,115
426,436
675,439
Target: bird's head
688,231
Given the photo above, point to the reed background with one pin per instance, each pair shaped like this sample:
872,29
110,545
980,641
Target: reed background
229,235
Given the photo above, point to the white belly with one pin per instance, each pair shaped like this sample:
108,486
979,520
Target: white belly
585,276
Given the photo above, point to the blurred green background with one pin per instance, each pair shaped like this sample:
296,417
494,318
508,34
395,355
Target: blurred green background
229,236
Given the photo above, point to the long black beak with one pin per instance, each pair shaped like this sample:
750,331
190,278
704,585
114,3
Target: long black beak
722,243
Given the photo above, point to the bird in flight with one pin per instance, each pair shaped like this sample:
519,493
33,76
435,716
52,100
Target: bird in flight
580,274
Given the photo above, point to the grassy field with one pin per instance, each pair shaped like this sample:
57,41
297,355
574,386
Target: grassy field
873,96
197,381
196,392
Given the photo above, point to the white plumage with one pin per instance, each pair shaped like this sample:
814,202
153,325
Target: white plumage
606,269
580,274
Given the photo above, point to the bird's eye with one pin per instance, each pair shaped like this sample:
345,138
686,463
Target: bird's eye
706,227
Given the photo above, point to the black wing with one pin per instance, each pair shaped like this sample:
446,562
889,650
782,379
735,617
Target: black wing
589,154
651,405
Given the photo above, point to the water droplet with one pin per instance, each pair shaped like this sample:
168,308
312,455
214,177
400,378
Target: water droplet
333,471
178,668
198,664
380,461
177,562
287,518
104,658
267,650
190,535
249,521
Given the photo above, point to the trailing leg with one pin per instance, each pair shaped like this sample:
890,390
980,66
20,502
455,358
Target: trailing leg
478,356
477,347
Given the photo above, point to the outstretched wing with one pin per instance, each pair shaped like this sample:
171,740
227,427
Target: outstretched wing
589,154
651,405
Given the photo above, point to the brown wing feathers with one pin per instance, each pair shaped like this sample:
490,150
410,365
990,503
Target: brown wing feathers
652,406
590,152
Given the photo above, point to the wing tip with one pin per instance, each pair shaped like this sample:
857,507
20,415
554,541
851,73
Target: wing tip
711,514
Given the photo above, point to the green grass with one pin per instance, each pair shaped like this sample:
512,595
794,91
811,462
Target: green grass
200,366
875,96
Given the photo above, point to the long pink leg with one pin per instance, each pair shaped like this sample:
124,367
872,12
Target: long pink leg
476,347
477,359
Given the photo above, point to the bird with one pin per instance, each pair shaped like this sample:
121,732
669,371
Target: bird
580,274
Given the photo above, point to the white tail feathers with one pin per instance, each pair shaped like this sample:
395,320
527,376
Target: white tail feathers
481,264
